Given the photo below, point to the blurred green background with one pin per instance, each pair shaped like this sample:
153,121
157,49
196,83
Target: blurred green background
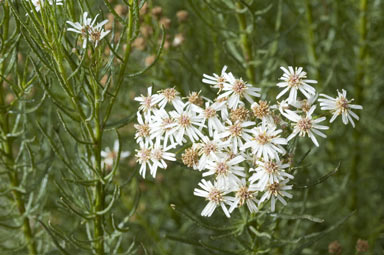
339,43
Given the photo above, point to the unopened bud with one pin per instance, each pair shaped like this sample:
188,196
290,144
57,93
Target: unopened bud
182,16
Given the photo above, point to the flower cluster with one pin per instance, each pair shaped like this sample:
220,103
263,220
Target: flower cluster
239,140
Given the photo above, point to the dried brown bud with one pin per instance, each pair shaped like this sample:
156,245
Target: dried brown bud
362,246
110,18
166,22
149,60
139,43
239,114
9,98
190,157
261,109
146,30
195,98
334,248
157,12
144,9
121,9
182,16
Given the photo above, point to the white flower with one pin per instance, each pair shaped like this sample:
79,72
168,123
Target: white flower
143,130
148,103
293,80
216,81
235,89
236,133
87,29
305,125
225,170
244,195
158,156
275,191
185,124
209,114
143,156
268,172
215,194
170,95
38,4
209,150
340,105
159,127
266,142
109,156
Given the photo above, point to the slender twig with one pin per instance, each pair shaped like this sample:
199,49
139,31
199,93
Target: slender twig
245,42
359,86
311,45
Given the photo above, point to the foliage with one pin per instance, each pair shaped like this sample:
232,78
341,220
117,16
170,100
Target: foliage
61,105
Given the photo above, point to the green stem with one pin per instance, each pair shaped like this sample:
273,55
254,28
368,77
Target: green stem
311,38
359,85
7,144
127,53
245,43
99,192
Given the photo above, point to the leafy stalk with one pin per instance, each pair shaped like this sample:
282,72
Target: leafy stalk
7,143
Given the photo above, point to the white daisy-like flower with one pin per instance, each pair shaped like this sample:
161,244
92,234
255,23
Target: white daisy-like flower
244,195
186,123
209,114
236,89
109,155
266,142
148,103
294,80
143,156
209,150
159,127
269,171
216,196
225,170
143,130
159,154
88,30
170,95
236,133
216,81
39,4
305,125
276,190
340,106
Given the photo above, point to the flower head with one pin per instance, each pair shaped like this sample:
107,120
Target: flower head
340,106
88,30
294,80
306,125
109,156
215,195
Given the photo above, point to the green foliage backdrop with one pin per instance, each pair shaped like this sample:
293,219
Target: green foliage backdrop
60,105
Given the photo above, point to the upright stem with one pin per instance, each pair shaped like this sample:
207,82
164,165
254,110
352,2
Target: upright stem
127,53
245,43
311,38
99,194
7,144
359,96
